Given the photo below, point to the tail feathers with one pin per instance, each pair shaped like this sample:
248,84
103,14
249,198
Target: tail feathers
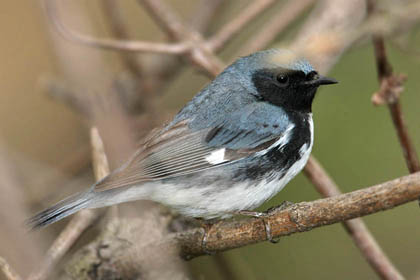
59,211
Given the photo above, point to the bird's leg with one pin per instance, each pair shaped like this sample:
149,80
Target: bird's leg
261,215
206,225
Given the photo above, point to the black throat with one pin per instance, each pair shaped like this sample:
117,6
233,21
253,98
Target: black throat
280,160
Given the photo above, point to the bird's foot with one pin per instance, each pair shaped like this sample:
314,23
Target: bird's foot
284,205
263,216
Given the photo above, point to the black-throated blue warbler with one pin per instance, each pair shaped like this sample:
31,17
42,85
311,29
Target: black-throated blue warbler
236,144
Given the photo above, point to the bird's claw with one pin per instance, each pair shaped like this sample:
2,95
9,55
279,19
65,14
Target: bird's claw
263,216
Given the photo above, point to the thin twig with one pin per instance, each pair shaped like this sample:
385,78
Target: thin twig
356,228
8,271
228,31
301,217
273,27
389,93
80,222
134,46
199,54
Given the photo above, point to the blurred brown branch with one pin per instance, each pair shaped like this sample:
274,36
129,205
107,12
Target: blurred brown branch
303,216
391,87
135,46
8,271
228,31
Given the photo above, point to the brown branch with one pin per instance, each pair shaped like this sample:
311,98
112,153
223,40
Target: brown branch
8,271
301,217
199,54
228,31
356,228
270,30
80,222
134,46
389,93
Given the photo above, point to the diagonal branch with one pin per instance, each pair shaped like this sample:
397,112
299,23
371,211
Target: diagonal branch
8,271
357,230
199,53
80,221
301,217
134,46
228,31
270,30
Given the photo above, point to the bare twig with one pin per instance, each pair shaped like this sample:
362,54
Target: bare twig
199,55
288,13
302,217
111,44
356,228
8,271
228,31
389,93
80,222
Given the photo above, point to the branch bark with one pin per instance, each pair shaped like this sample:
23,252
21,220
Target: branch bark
301,217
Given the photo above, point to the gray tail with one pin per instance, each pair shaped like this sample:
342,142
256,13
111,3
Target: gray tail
59,211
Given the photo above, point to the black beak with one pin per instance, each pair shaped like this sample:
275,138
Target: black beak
324,81
321,80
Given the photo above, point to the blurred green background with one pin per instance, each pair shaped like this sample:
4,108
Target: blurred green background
354,141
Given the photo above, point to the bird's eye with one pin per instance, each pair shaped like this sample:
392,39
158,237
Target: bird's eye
313,75
282,80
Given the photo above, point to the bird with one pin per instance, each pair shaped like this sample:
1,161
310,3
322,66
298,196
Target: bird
235,145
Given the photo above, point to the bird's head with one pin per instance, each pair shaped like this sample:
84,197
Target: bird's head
280,78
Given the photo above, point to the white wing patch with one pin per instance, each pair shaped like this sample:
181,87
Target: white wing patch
217,157
283,140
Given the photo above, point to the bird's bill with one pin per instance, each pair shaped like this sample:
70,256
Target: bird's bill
322,80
